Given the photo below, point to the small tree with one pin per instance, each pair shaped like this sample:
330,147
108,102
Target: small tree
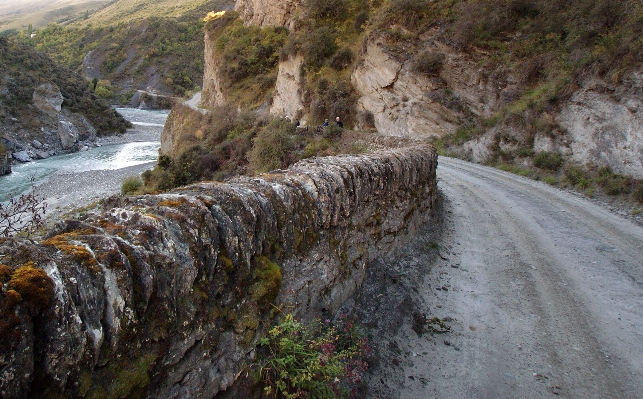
24,214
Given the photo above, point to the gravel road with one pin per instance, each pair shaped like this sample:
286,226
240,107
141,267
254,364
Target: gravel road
542,290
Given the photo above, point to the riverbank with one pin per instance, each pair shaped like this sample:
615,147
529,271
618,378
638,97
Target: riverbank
66,192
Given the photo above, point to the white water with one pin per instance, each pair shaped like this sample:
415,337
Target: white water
109,157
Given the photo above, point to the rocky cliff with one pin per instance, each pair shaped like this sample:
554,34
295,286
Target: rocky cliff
593,122
165,296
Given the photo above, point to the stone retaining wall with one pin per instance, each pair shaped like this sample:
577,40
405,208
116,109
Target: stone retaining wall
165,296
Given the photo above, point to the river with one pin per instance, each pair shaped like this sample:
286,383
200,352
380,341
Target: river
108,157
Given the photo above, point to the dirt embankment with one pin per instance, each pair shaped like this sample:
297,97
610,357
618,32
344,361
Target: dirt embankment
541,291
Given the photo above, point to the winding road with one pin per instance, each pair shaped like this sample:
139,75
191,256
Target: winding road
542,289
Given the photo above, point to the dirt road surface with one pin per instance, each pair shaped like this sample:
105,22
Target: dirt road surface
542,291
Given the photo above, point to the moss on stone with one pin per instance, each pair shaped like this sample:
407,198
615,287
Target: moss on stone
5,273
172,203
33,285
121,379
77,252
267,281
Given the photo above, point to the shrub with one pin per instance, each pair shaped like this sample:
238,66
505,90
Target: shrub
428,62
271,146
319,46
332,131
366,119
22,215
318,361
342,59
326,9
616,184
548,160
408,12
574,174
360,20
131,185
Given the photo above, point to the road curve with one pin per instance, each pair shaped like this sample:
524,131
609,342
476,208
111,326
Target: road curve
543,291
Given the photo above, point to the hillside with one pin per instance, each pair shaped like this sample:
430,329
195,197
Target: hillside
34,14
539,88
130,46
44,102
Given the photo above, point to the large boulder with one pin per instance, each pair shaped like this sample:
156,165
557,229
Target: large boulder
68,134
22,156
48,98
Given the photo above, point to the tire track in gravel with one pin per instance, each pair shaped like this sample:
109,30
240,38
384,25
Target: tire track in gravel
543,291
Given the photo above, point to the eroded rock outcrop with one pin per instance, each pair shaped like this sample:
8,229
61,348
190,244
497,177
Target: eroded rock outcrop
48,98
212,94
287,100
165,296
269,12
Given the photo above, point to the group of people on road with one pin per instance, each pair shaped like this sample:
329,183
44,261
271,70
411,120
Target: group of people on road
337,121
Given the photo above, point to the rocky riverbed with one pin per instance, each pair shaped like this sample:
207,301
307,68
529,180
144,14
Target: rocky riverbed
68,192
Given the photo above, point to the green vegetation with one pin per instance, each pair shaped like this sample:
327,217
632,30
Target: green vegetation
131,184
249,57
318,361
548,160
267,281
272,146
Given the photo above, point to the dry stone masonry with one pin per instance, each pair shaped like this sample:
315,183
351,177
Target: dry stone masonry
165,296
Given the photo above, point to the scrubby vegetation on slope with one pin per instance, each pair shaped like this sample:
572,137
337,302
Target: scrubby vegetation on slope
22,70
545,49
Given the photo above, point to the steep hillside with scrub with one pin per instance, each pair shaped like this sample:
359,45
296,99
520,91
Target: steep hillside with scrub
541,88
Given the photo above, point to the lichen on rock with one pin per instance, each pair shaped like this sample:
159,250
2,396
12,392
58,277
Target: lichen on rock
165,295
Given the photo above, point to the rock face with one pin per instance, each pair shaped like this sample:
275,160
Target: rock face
288,88
604,125
269,12
48,99
68,134
165,296
212,94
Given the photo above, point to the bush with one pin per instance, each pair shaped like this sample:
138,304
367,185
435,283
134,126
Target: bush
366,119
131,185
319,46
326,9
408,12
272,145
332,131
548,160
574,174
342,59
360,20
318,361
428,62
616,185
22,215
